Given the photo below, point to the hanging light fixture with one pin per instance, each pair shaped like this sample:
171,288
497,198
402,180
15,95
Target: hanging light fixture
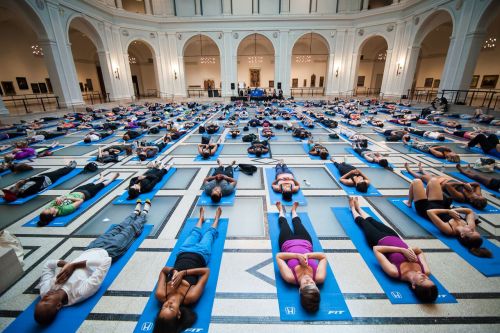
204,59
382,56
305,59
255,59
490,43
37,50
132,60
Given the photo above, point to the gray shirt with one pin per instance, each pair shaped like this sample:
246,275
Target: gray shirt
226,187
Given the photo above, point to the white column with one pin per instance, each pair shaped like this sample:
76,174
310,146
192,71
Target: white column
255,7
164,62
314,6
107,74
3,108
386,78
365,4
147,4
285,6
128,76
175,66
330,75
409,71
119,61
119,4
197,7
226,7
283,62
229,65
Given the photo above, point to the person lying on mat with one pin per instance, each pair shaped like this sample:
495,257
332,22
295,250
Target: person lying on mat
258,148
35,136
375,122
110,154
28,152
489,144
317,149
435,150
426,134
450,123
371,156
81,278
212,128
234,132
15,167
400,121
457,222
395,257
350,176
150,149
489,181
297,262
132,134
207,148
33,185
455,189
67,204
183,284
96,135
301,133
285,182
146,182
221,183
391,135
267,132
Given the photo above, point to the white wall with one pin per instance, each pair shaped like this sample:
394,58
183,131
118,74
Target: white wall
266,70
303,71
242,7
88,70
197,73
369,69
488,64
429,67
145,76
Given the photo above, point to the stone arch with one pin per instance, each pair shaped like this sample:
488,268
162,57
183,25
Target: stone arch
156,66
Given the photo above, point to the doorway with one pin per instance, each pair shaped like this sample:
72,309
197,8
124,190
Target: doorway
136,86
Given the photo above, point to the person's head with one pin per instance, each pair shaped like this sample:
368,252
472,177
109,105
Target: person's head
478,202
309,294
46,216
205,153
142,156
126,137
323,154
424,288
258,151
362,186
286,194
87,139
9,158
174,318
472,240
216,194
47,308
134,191
383,163
440,138
453,157
129,150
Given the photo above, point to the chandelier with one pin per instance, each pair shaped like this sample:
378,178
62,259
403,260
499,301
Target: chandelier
303,59
207,60
489,43
382,56
253,60
132,60
37,50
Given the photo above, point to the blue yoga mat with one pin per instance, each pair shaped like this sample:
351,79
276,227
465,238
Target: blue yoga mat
273,196
398,292
131,140
62,221
211,158
489,209
205,200
136,158
81,143
372,191
306,149
122,199
368,164
423,138
332,306
487,266
490,153
203,307
61,180
70,318
464,178
438,160
6,172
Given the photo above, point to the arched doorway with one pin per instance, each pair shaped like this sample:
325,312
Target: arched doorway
143,69
202,67
371,66
85,47
309,65
487,61
256,62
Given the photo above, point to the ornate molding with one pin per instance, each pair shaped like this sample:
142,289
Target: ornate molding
361,32
125,33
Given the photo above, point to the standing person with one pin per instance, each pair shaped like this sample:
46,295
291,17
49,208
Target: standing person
81,278
221,183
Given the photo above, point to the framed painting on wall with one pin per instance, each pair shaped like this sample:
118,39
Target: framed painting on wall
90,87
22,83
35,88
43,87
271,83
8,88
305,83
436,83
428,82
49,85
321,81
313,80
361,81
489,81
295,83
474,81
82,89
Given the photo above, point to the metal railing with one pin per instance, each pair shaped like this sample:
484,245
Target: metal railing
421,95
472,97
197,92
29,100
305,91
93,96
367,91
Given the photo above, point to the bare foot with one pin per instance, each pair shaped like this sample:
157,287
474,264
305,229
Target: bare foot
218,212
115,175
279,206
351,202
459,167
420,168
407,167
356,203
202,213
294,206
219,162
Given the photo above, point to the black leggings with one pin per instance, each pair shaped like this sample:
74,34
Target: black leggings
56,174
344,167
299,232
227,171
50,135
487,143
416,131
374,231
89,190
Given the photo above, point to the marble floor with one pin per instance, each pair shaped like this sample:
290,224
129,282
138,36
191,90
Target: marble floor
246,298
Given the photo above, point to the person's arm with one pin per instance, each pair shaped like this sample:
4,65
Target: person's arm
436,220
435,152
423,260
456,195
322,263
350,173
368,156
386,265
476,188
195,291
200,149
99,268
48,273
161,286
285,271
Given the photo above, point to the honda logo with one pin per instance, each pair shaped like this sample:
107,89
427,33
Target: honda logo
147,326
290,310
396,294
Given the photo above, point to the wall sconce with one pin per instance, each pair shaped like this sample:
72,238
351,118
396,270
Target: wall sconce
400,68
117,73
175,75
337,72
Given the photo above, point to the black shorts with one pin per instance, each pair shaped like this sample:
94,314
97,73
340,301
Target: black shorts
422,206
494,184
